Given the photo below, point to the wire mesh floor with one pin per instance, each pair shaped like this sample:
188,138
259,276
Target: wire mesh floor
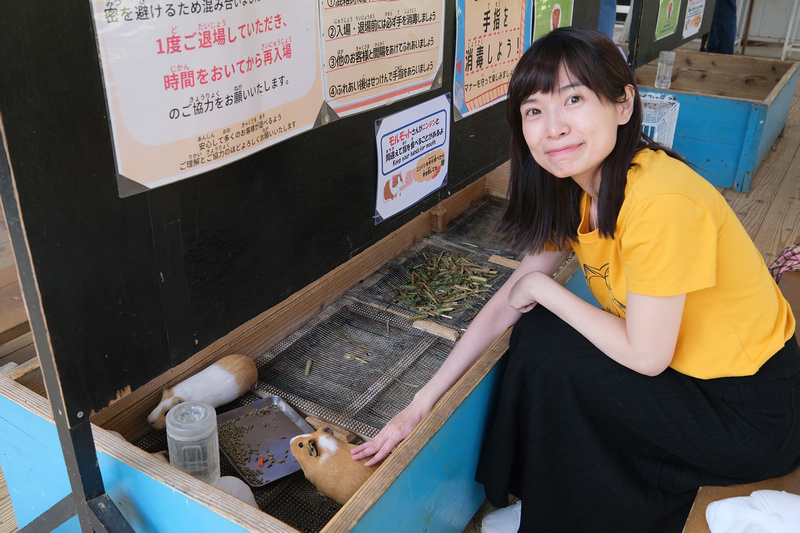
364,365
383,285
475,229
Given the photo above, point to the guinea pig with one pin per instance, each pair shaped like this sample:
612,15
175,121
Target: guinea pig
221,383
328,464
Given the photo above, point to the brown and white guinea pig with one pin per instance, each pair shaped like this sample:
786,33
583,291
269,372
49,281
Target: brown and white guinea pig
328,464
221,383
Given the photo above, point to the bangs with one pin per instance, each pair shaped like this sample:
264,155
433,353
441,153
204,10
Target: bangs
539,70
539,73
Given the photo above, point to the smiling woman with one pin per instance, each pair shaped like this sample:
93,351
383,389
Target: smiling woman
571,131
611,417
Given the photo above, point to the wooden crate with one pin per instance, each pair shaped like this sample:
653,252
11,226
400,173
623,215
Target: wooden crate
732,109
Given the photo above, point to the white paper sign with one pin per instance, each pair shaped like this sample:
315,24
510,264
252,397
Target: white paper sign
377,52
193,86
413,155
694,17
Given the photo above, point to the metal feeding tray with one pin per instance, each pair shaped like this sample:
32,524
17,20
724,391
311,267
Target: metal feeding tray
255,439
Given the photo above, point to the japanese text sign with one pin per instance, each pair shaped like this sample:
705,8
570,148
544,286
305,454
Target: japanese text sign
193,86
413,155
377,51
490,39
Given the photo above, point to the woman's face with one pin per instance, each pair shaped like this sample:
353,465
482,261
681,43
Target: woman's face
571,131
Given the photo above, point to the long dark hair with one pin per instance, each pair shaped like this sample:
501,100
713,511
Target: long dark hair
543,211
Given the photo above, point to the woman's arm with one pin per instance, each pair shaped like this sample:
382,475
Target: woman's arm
495,317
644,341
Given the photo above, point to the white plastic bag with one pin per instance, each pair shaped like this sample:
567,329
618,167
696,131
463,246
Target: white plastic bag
764,511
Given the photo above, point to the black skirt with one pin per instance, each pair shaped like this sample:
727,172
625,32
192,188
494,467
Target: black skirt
589,445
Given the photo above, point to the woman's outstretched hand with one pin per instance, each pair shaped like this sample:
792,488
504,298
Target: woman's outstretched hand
390,436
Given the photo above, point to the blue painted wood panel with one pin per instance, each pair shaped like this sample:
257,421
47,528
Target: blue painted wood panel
725,139
710,133
33,465
437,491
577,285
775,117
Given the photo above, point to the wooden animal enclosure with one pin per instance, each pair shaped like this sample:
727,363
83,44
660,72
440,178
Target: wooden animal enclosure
732,109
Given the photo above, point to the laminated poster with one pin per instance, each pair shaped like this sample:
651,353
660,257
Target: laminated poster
413,155
375,52
551,14
694,17
667,21
192,86
490,38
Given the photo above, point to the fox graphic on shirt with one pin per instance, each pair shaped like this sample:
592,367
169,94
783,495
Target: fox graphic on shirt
595,276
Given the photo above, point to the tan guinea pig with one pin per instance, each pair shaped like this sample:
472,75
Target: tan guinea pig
221,383
328,464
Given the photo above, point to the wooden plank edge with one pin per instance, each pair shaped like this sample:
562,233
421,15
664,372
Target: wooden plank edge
20,343
497,181
437,329
16,331
25,398
504,261
776,90
696,522
570,267
15,371
128,414
8,520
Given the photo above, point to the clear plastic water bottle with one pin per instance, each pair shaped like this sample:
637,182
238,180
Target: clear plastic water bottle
192,440
666,59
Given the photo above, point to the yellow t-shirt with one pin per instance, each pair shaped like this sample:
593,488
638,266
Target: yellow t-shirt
676,234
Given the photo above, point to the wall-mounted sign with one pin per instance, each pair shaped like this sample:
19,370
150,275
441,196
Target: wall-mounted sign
413,155
490,39
551,14
667,21
693,18
192,86
376,52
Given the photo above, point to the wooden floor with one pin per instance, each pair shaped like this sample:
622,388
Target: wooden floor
770,212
